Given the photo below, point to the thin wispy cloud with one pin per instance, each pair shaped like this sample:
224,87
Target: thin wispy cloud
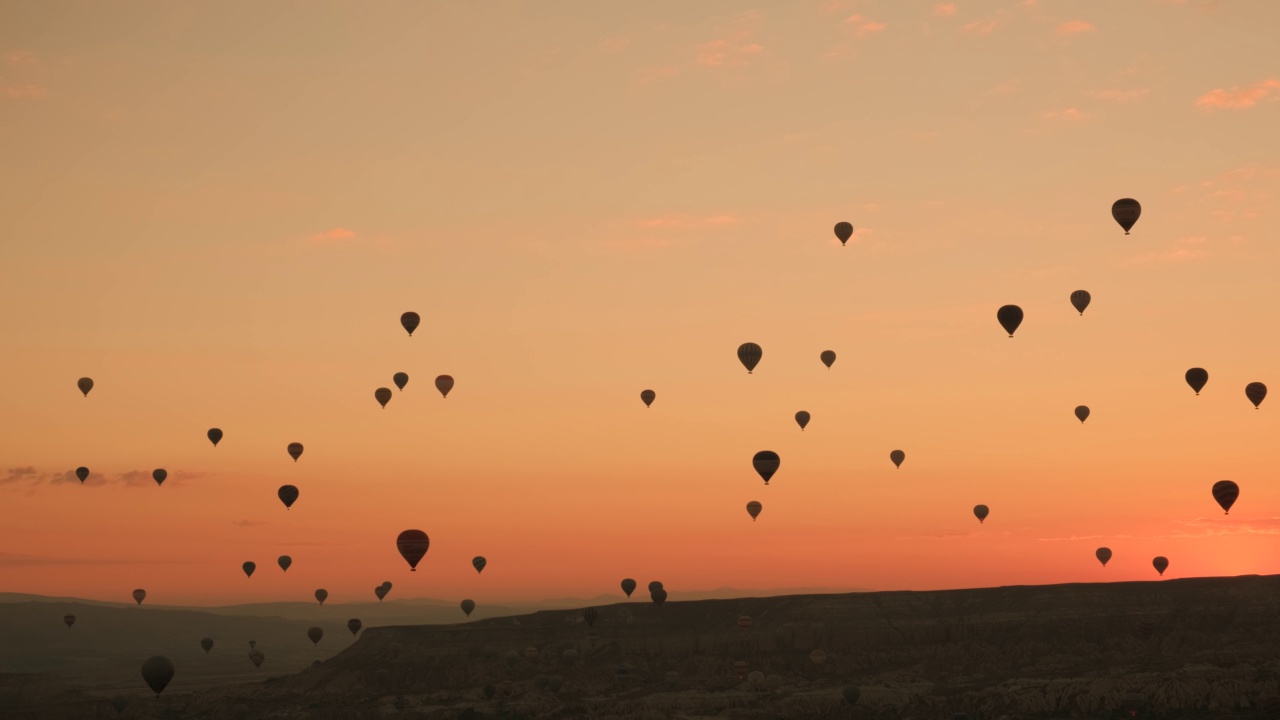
944,9
1226,525
1074,27
16,475
737,44
23,91
249,523
980,27
1186,249
651,75
331,236
21,57
864,26
1238,98
1065,115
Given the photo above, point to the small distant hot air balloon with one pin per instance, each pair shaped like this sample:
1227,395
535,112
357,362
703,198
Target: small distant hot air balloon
1126,212
159,476
628,586
215,436
744,622
1082,413
354,625
444,384
468,606
478,562
322,595
139,595
802,419
409,321
766,463
749,355
828,357
288,495
413,545
1256,392
647,397
1010,317
85,384
382,590
844,231
1226,492
1080,300
851,694
82,473
817,657
284,561
654,585
1197,378
1160,564
256,657
249,568
590,614
295,451
897,456
206,644
157,671
400,379
753,509
315,634
658,596
981,512
1103,554
69,620
383,396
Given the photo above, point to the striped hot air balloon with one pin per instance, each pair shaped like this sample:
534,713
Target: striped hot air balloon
1226,492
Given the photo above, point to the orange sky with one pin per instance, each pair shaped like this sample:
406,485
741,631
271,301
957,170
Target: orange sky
218,211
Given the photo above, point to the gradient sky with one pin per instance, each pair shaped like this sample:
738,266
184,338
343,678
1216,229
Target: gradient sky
219,210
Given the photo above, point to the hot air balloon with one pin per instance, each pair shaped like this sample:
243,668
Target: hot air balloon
1080,300
802,419
1197,378
1126,212
69,620
1160,564
381,591
828,357
322,595
749,355
468,606
315,634
444,383
628,586
744,622
284,561
1226,492
249,568
409,321
206,644
844,231
295,451
753,509
157,671
1082,413
139,595
478,562
400,379
1104,555
851,694
590,614
1010,317
647,397
288,495
817,657
85,384
82,473
353,625
159,476
981,512
897,456
766,463
1256,392
383,396
413,545
119,703
215,436
654,585
658,596
256,657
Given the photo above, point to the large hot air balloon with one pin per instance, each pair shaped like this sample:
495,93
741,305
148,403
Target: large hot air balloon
1010,317
753,509
400,379
85,384
628,586
478,562
647,397
157,671
981,512
215,436
69,620
248,568
413,545
315,634
844,231
206,644
444,383
353,625
1160,564
82,473
1226,492
654,585
1126,212
256,657
1082,413
1256,392
159,476
284,561
590,614
383,396
1103,554
766,463
749,355
1080,300
658,596
828,358
467,606
295,451
897,456
139,595
1197,378
288,495
802,419
409,321
322,595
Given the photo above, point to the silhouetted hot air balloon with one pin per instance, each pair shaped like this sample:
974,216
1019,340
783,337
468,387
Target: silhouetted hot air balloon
467,606
1010,317
315,634
157,671
1126,212
69,620
322,595
400,379
658,596
409,321
206,644
119,703
288,495
753,509
844,231
1256,392
897,456
654,585
1082,413
1226,492
1197,378
353,625
766,462
981,512
1103,554
85,384
215,436
284,561
1160,564
478,562
256,657
139,595
590,614
828,357
382,590
648,396
413,545
249,568
802,419
628,586
749,355
444,383
82,473
295,451
851,694
383,396
1080,300
159,476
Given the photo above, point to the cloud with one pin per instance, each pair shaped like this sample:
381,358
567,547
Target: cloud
1185,249
613,45
980,27
863,26
737,44
651,75
69,477
25,473
1074,27
249,523
328,237
1226,525
21,57
26,90
20,560
945,10
142,478
1069,114
1122,97
1077,537
1238,98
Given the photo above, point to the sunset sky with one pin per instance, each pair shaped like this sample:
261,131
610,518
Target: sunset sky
219,210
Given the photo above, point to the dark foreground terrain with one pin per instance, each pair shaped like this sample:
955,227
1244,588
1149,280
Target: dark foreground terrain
1191,648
